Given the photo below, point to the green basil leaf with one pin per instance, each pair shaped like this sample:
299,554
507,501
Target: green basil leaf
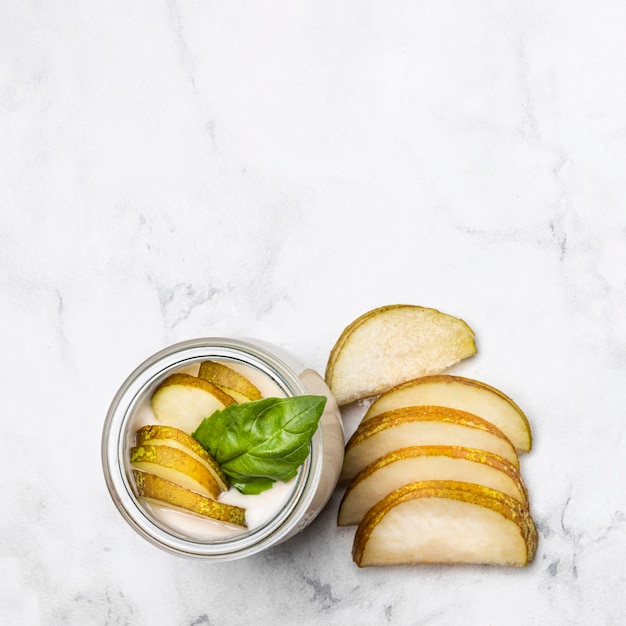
264,439
252,486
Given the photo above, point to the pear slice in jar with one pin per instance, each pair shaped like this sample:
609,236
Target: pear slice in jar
176,466
162,491
442,521
230,381
158,435
420,463
183,401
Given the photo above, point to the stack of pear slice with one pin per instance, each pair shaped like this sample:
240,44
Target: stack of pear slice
434,477
170,467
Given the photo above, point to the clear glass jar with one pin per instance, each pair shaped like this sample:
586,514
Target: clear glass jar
313,486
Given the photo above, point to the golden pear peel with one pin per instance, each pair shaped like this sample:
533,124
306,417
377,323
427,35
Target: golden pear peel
229,380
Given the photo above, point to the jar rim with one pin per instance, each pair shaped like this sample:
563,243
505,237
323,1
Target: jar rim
115,458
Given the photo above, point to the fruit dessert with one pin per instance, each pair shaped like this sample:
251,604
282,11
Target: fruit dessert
217,448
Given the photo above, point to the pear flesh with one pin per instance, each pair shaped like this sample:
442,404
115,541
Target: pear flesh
393,344
422,426
183,401
446,522
460,393
156,488
421,463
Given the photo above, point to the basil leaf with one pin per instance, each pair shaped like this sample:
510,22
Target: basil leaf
252,486
266,439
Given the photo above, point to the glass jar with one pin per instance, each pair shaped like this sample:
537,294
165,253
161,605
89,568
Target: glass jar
312,487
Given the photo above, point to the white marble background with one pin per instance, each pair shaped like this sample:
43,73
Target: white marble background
274,169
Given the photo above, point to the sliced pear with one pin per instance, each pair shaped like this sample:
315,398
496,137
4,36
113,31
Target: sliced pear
422,426
183,401
157,488
446,522
393,344
176,466
230,381
420,463
466,394
158,435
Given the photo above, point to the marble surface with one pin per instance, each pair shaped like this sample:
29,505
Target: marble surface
273,170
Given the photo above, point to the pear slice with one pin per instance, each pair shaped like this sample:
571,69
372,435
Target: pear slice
393,344
158,435
420,463
230,381
155,488
176,466
446,522
183,401
465,394
422,426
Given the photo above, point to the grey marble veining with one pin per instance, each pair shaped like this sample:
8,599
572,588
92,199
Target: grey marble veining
272,171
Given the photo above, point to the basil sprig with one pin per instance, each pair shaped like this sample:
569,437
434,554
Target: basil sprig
257,443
